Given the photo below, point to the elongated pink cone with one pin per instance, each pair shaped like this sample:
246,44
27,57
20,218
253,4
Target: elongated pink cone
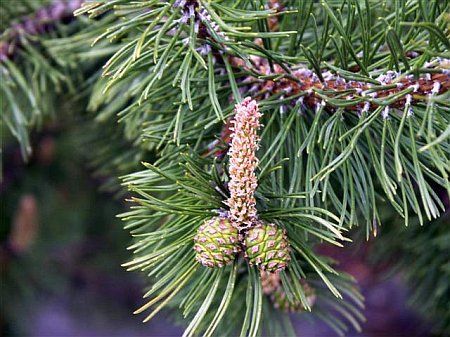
243,163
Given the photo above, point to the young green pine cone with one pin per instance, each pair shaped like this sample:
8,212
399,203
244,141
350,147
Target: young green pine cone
280,300
266,246
216,242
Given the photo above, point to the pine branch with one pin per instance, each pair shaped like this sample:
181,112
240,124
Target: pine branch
355,114
27,69
10,13
42,22
38,55
349,92
180,115
390,90
189,195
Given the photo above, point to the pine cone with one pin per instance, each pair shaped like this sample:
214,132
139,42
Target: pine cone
280,300
216,242
267,246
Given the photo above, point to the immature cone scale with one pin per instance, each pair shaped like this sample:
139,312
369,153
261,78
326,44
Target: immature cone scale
216,242
243,163
281,301
270,282
266,246
271,286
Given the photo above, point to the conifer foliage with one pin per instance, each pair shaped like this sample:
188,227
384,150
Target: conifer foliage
269,127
